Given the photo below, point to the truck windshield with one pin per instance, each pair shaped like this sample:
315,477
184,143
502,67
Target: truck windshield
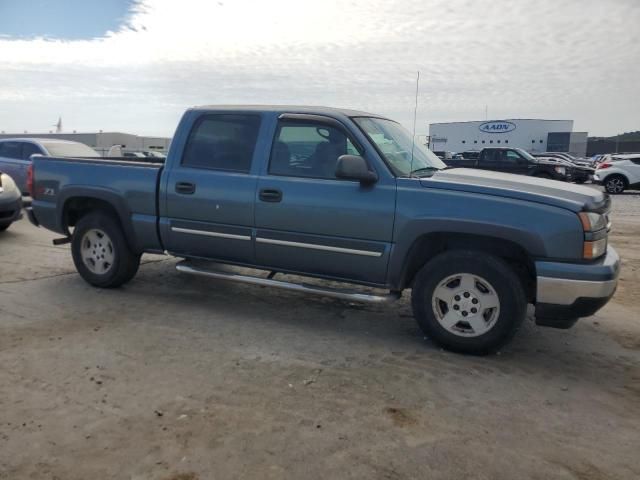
71,149
395,143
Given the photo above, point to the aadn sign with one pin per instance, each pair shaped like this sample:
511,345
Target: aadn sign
497,127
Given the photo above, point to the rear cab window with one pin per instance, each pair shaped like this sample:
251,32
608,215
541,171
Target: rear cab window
222,142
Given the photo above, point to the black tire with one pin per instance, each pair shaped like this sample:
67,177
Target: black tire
500,276
125,263
580,181
4,227
615,184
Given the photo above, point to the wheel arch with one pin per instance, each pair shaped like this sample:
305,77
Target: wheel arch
431,244
77,203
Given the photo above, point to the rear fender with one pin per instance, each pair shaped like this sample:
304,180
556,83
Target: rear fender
95,198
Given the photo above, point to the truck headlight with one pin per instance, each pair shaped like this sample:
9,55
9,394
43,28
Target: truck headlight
560,170
592,221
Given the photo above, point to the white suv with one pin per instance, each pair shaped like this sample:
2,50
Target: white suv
618,173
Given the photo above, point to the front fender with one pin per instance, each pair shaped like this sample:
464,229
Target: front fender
542,231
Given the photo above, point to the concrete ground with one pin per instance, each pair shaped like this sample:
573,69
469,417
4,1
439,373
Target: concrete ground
183,378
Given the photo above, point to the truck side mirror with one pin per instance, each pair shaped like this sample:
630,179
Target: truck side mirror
354,167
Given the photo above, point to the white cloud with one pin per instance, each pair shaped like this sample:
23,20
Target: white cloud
522,58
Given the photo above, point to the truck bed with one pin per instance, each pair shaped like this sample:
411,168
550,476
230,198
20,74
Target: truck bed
130,185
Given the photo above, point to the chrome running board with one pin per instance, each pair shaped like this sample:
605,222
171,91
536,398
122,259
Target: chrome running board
344,294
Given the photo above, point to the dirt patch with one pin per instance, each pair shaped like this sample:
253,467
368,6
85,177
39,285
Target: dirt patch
182,476
400,417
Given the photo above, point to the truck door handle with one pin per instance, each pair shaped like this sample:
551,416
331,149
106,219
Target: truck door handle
270,195
185,188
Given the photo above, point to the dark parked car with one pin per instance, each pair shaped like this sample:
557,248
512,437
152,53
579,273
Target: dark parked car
344,196
515,160
10,202
581,171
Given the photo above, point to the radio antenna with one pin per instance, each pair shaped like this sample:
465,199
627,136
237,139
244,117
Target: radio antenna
415,114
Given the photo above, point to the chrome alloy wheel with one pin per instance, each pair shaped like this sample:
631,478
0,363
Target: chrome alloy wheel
97,251
615,185
466,305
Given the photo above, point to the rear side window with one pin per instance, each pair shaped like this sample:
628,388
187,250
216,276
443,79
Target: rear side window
222,142
491,157
11,149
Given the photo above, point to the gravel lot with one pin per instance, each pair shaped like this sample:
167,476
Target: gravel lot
183,378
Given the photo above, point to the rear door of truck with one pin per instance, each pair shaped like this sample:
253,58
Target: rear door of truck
207,201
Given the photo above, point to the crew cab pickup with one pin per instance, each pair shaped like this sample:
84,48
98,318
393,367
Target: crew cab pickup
344,196
517,161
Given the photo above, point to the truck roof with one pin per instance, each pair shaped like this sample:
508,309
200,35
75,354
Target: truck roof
319,110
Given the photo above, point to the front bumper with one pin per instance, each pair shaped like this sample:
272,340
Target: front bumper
10,210
568,291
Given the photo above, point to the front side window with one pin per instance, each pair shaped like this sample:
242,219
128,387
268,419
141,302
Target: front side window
512,158
306,149
222,142
403,155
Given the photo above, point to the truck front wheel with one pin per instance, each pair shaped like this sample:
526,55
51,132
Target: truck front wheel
468,301
101,253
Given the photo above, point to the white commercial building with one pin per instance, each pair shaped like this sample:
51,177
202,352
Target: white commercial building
533,135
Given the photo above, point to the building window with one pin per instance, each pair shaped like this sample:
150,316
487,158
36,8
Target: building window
482,141
540,141
498,141
464,141
490,141
533,141
475,141
506,141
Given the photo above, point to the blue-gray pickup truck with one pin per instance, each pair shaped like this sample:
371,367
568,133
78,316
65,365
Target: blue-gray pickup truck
345,196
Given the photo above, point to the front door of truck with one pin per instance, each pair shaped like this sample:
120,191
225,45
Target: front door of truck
309,221
513,162
210,190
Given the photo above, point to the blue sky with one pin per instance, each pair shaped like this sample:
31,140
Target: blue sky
64,19
570,59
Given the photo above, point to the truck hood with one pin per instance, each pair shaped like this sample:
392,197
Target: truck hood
551,192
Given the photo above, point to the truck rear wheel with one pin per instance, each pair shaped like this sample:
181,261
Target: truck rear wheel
101,253
468,301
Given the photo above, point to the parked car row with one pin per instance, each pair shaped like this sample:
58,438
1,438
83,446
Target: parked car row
519,161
